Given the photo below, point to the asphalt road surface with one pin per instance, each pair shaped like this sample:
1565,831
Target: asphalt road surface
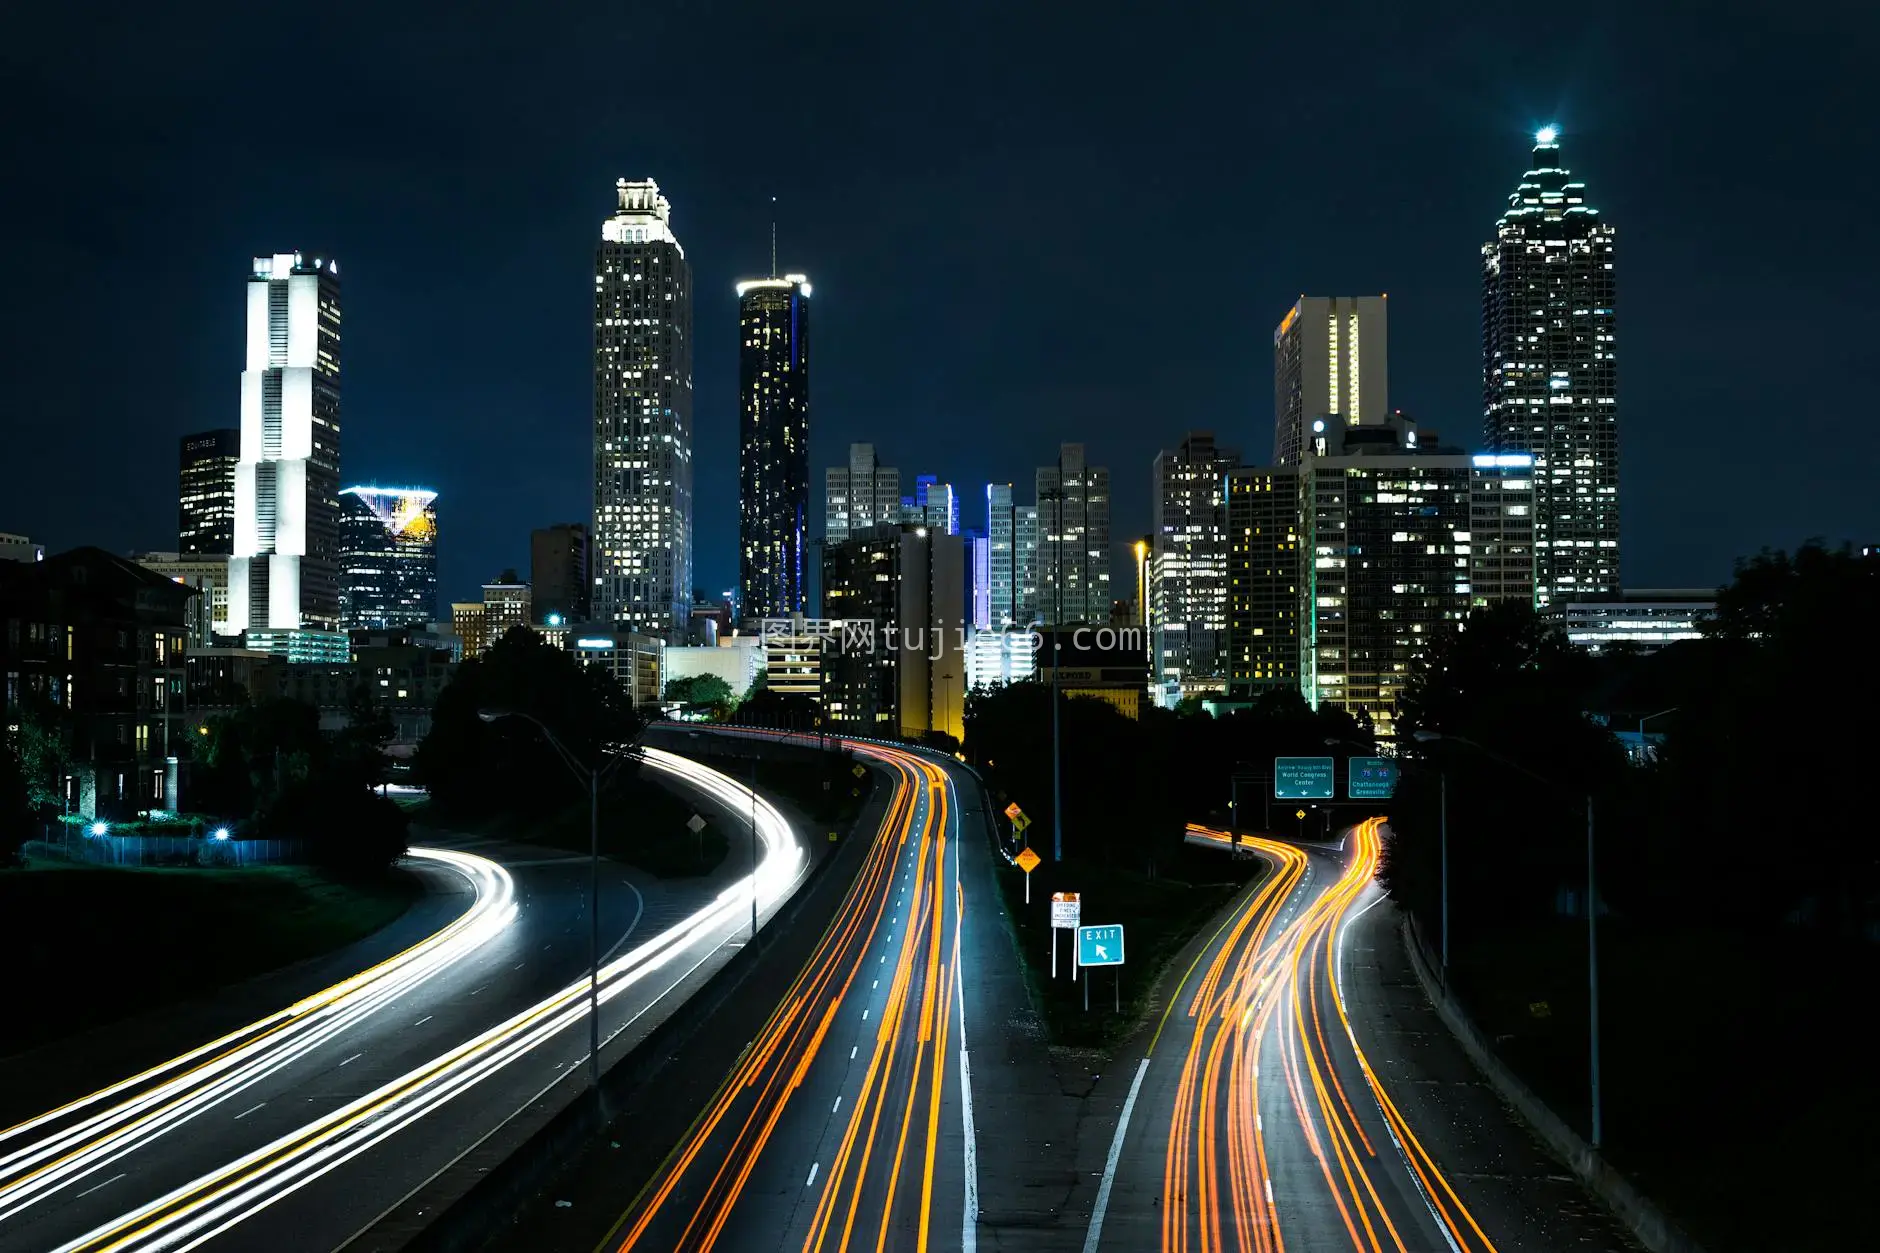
1296,1095
311,1143
847,1124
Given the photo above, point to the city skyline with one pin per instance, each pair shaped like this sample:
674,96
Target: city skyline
513,439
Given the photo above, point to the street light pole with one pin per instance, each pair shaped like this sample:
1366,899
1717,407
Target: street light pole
1596,1117
1592,970
594,929
1443,827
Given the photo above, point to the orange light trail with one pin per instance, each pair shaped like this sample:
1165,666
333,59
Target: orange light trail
1271,981
880,1179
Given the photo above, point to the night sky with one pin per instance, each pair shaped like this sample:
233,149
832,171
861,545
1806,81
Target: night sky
1025,223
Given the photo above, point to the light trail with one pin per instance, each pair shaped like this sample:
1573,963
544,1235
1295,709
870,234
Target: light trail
205,1208
1268,994
45,1153
877,1190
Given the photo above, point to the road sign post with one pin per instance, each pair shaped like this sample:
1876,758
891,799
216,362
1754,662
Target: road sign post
1028,862
1067,912
1101,946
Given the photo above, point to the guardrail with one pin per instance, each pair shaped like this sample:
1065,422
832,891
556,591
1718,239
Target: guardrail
166,850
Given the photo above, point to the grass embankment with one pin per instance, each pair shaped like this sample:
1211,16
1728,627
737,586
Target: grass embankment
91,945
1719,1055
1158,917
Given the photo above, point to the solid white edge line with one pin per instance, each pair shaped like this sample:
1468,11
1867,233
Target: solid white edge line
1095,1235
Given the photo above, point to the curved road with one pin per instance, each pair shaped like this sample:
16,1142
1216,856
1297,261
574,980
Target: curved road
1270,1113
305,1151
848,1122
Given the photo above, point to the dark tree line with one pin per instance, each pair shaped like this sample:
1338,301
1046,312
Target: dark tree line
1745,807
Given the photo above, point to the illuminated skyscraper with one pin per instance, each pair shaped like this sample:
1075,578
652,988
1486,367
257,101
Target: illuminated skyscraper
205,513
1074,547
642,541
1187,572
284,573
388,548
1330,358
773,445
1549,382
861,494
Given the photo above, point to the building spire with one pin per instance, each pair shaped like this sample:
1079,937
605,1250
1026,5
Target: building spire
773,237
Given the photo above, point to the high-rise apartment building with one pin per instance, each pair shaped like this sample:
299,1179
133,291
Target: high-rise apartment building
1388,557
1187,569
388,554
1549,378
205,513
1074,547
1330,361
284,570
206,614
1263,580
642,540
859,495
773,445
506,605
559,574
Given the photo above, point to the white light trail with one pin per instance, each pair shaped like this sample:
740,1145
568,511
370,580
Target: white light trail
197,1212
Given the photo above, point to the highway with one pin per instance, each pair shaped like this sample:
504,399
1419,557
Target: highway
287,1133
847,1123
1257,1121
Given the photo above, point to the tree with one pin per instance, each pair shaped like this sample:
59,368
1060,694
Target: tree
705,692
474,768
16,806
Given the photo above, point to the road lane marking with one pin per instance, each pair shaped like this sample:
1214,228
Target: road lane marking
350,1060
836,1106
852,1049
1095,1235
424,1020
813,1168
251,1109
111,1180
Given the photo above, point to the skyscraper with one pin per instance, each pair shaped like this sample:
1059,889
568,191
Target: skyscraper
284,573
1330,359
559,573
388,550
859,495
934,505
205,514
773,445
1187,575
642,540
1549,383
1262,580
1074,549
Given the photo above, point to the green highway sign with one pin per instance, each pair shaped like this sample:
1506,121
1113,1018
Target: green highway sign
1371,778
1305,778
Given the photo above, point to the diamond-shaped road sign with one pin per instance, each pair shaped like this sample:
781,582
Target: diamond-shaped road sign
859,770
1012,811
1027,860
695,824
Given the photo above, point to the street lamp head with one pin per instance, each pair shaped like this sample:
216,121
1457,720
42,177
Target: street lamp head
1426,737
493,715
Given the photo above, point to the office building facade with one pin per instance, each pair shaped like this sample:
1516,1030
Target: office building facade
862,494
559,574
900,665
1186,592
641,559
284,588
1074,544
388,553
773,446
205,616
934,505
1263,580
205,512
1549,375
1330,361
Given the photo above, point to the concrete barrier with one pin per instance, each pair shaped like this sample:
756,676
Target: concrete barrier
1649,1225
